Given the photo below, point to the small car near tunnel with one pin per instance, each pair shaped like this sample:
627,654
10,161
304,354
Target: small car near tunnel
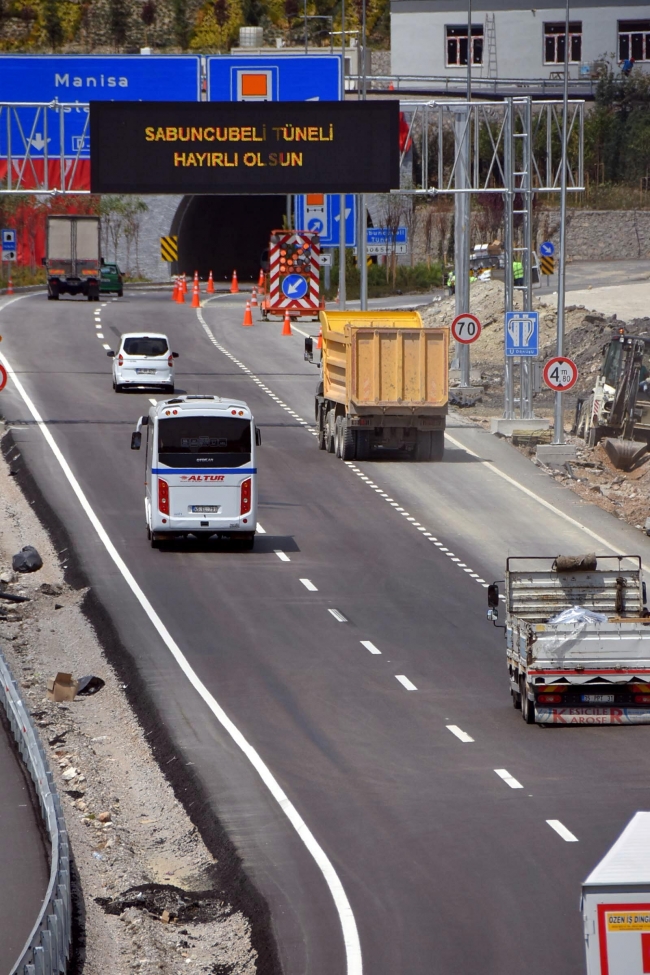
112,280
143,359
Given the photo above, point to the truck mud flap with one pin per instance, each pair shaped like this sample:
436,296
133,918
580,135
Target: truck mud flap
591,716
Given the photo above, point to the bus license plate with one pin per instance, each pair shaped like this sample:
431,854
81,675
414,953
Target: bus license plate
597,698
205,508
145,372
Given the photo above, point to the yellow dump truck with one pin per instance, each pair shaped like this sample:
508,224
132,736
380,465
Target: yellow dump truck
384,384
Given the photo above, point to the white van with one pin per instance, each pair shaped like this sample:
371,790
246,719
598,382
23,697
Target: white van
201,469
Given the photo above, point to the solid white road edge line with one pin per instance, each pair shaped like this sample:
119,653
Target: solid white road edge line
510,780
455,730
341,902
562,831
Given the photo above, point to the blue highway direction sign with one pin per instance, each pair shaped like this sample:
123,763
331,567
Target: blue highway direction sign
381,235
321,213
43,78
285,78
522,333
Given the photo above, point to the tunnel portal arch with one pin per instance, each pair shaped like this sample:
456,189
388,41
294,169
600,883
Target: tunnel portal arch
225,233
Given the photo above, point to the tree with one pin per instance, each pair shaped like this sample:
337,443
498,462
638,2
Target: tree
181,23
218,24
148,17
52,23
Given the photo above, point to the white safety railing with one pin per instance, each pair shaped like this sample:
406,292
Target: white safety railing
47,949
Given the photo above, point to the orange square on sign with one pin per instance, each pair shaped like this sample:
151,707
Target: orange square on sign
315,199
254,84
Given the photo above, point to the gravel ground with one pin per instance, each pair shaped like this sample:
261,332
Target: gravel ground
151,892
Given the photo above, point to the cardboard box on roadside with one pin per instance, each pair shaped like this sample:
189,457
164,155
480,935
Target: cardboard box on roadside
62,688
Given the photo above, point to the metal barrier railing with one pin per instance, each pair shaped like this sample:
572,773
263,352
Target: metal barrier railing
47,949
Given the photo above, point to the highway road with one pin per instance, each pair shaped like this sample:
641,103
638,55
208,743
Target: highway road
385,729
24,856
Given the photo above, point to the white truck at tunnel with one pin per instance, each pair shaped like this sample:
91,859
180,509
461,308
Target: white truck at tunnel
577,639
200,469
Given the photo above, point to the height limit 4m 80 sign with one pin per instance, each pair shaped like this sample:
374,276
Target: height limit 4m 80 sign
560,374
244,147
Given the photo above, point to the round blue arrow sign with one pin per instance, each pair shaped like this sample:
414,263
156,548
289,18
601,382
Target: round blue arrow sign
294,286
315,225
547,249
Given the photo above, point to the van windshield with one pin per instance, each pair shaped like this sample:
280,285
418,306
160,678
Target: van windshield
193,441
144,345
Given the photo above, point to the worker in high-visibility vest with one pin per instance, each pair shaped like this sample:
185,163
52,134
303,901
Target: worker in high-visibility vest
451,283
518,272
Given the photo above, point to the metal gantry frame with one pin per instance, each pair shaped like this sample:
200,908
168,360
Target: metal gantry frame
511,147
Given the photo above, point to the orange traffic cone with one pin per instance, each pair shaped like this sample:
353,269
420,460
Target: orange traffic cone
321,303
184,284
10,287
260,281
196,300
234,285
254,298
248,318
319,344
196,280
210,287
175,291
286,325
181,293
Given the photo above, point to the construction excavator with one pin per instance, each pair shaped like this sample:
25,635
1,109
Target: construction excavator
618,410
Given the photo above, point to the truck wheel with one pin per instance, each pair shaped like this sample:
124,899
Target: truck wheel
362,444
437,444
155,541
348,442
423,446
329,432
120,293
516,699
337,436
527,707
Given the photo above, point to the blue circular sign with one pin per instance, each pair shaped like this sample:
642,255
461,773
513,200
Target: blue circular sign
294,286
547,249
315,225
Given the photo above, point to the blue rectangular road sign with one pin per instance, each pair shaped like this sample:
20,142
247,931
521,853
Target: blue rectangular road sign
321,213
385,237
283,78
125,77
522,333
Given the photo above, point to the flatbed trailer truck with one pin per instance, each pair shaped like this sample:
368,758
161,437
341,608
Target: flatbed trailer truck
594,670
385,384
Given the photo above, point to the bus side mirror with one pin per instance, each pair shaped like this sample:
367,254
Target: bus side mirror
493,602
258,437
136,440
309,349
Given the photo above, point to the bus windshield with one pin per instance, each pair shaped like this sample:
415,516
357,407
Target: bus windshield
192,441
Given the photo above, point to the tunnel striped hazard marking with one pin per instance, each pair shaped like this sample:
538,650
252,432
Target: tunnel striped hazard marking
169,248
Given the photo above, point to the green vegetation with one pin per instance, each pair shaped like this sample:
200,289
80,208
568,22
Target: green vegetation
418,279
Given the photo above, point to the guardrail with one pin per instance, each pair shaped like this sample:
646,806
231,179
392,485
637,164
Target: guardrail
48,947
483,87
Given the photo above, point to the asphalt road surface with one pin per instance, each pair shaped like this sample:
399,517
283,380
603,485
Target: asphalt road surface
24,858
447,868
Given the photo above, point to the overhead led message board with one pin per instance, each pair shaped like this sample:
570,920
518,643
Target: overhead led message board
245,147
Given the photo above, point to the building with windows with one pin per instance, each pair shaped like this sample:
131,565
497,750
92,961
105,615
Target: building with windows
512,39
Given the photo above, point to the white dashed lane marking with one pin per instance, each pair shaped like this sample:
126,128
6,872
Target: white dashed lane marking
462,735
562,831
405,682
369,646
308,584
510,780
282,555
337,615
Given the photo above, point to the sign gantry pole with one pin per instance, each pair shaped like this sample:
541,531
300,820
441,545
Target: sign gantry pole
363,221
342,234
561,271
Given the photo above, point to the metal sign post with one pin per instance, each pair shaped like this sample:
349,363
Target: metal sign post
558,424
462,231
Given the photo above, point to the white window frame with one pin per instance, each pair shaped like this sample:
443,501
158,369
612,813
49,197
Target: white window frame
626,32
556,35
476,36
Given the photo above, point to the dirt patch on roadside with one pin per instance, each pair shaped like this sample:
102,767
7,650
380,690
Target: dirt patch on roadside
152,897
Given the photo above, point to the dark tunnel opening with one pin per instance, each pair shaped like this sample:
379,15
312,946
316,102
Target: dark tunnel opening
226,233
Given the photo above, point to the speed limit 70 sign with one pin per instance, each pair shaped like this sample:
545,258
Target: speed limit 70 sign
560,374
466,328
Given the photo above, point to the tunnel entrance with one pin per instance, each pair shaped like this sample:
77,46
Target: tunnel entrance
225,233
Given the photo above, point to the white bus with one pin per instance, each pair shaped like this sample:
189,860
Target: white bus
201,471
